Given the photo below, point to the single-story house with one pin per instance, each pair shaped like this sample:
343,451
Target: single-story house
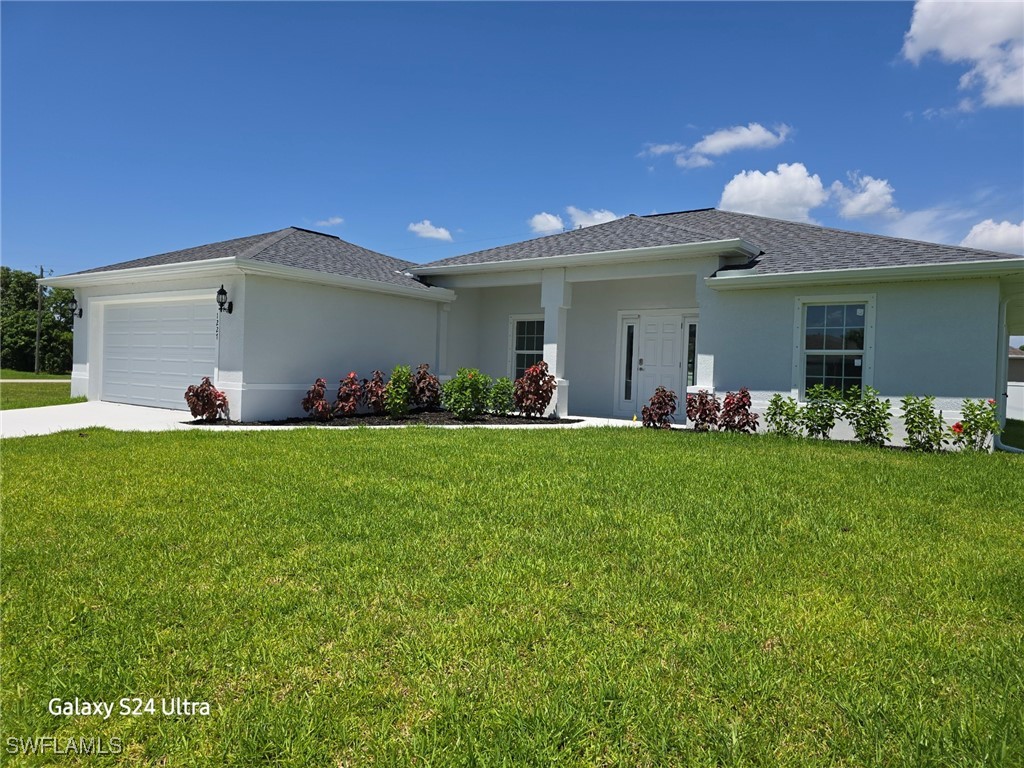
697,299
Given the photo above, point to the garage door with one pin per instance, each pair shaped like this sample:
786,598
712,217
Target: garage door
152,352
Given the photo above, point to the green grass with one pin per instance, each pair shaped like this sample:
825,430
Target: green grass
35,394
478,597
7,373
1013,434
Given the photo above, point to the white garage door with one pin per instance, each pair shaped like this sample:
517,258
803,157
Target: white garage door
152,352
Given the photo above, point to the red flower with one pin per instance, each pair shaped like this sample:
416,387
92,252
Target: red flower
352,374
991,402
958,428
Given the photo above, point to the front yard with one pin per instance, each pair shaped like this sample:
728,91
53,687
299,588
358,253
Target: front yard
473,597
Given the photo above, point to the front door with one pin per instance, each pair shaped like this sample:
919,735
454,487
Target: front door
652,347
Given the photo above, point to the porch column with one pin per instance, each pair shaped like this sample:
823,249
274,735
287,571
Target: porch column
556,298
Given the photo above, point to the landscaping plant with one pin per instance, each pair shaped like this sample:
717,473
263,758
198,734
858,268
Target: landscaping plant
501,401
466,394
426,389
736,415
702,410
315,403
783,416
373,392
534,390
350,395
978,425
925,428
868,415
658,411
819,415
206,401
398,392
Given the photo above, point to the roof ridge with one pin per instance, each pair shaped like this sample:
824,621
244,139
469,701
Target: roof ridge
271,239
673,225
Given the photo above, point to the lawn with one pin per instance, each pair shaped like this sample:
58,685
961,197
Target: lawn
478,597
7,373
31,394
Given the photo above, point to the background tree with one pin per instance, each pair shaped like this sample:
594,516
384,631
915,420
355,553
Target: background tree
18,324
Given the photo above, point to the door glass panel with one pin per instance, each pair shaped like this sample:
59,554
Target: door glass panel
691,355
628,390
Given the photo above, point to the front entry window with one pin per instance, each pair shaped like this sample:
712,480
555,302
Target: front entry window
528,345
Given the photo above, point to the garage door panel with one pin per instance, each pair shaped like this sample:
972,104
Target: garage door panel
153,351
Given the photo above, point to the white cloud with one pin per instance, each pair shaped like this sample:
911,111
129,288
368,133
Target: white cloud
987,36
428,230
866,196
1004,236
786,193
750,136
330,221
589,218
546,223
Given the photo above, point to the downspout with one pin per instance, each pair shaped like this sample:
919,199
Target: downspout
1002,372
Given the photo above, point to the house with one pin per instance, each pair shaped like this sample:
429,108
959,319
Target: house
697,299
1015,384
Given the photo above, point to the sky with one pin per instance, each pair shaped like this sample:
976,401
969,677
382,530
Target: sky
427,130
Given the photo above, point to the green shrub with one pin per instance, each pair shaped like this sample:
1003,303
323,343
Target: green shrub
868,415
818,417
784,417
398,392
925,429
978,425
466,394
501,401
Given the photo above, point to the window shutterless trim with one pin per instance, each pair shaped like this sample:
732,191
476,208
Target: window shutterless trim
800,353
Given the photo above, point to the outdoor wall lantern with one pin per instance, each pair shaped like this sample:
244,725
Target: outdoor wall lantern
76,311
222,301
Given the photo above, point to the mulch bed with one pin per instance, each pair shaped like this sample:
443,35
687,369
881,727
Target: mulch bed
427,418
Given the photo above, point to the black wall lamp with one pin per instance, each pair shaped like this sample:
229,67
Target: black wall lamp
222,301
76,311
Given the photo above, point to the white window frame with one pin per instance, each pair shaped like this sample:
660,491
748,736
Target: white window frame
512,320
799,336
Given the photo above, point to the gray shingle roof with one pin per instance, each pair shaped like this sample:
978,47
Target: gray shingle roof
621,234
788,246
793,247
292,247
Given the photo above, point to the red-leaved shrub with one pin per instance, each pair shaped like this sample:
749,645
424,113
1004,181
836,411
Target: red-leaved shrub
350,395
658,411
736,415
533,391
702,410
206,401
426,389
315,404
373,392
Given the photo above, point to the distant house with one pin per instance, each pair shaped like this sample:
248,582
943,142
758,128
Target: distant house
1016,369
697,299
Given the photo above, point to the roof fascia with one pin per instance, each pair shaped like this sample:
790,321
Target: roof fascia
202,268
730,247
265,269
235,265
953,270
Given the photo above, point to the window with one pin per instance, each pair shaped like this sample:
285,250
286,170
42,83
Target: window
834,345
527,344
691,354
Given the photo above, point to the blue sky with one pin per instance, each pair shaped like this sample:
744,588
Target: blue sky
429,130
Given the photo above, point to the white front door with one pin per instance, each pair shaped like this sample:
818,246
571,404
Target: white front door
651,351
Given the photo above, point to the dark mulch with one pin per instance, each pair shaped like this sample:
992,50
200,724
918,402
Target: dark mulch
427,418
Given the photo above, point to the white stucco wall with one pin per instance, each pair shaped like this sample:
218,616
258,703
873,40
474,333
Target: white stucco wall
297,331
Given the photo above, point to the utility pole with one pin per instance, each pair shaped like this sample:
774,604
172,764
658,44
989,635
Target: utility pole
39,314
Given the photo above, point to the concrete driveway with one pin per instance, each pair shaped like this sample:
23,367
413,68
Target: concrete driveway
57,418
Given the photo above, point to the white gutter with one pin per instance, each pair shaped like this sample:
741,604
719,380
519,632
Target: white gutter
1002,372
732,247
235,265
956,269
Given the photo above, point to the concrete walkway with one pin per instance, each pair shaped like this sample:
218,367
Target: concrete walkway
22,422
